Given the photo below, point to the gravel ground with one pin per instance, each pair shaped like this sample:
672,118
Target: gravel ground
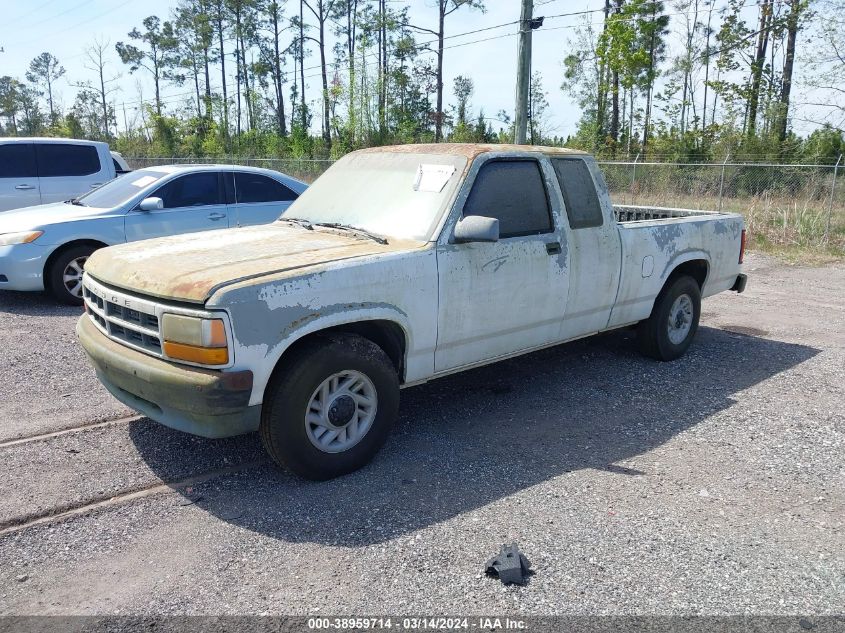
711,485
47,384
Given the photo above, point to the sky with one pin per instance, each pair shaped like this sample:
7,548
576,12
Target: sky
66,27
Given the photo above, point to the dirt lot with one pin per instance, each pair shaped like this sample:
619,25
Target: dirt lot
711,485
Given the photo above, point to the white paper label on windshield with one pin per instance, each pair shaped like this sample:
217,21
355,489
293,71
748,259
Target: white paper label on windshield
432,177
144,181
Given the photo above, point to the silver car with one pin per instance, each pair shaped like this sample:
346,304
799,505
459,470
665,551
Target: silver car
45,247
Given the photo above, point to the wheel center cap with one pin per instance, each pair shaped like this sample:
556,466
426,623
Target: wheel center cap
341,410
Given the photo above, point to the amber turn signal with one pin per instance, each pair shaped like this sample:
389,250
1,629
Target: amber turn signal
195,354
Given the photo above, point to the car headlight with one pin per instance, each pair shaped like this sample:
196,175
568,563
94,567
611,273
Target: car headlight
24,237
195,339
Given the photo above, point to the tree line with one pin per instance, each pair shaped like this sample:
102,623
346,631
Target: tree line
688,79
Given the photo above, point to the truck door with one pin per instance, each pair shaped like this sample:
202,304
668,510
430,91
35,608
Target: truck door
595,248
193,202
503,297
18,176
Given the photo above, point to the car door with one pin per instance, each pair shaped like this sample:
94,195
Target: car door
192,202
67,170
594,246
502,297
259,199
18,176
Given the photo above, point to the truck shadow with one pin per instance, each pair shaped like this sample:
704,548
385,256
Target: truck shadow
468,440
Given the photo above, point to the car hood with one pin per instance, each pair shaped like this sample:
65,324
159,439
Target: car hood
44,215
193,266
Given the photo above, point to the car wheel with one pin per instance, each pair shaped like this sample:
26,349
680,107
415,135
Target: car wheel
668,332
331,406
64,278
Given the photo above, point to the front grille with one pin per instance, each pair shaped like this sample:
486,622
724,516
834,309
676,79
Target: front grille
134,326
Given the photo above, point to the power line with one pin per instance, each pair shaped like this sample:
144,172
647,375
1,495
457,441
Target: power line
29,13
58,15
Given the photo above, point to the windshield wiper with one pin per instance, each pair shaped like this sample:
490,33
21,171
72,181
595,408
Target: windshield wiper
346,227
74,201
305,224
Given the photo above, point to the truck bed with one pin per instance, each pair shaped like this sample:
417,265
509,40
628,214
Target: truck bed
630,213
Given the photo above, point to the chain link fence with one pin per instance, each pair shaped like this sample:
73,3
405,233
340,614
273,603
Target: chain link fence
305,169
787,205
784,205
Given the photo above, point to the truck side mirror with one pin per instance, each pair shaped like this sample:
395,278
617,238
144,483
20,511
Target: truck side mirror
151,204
477,228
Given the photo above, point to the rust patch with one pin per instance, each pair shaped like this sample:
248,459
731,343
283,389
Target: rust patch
469,150
191,267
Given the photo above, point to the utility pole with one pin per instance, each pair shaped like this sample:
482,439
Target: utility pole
523,71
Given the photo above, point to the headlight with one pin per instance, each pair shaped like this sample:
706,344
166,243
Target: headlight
194,339
24,237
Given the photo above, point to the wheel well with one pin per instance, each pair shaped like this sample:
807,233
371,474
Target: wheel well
695,268
388,335
48,264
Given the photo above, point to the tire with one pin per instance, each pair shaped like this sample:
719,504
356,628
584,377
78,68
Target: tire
303,407
66,265
668,332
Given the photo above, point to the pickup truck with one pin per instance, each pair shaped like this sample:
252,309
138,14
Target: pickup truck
397,266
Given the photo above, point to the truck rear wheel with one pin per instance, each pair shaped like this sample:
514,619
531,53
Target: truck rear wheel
668,332
330,408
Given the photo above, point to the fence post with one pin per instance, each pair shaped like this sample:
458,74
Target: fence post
830,204
722,180
634,176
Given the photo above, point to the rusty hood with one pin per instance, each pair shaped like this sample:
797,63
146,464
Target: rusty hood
192,267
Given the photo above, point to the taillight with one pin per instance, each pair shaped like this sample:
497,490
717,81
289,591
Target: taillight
742,247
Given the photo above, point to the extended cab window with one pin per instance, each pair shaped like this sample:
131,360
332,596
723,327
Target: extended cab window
579,193
17,160
59,159
257,188
513,192
193,190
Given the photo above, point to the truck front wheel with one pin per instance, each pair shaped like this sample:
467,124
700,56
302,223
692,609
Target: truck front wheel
330,407
668,332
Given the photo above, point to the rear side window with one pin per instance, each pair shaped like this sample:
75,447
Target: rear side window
58,159
513,192
257,188
193,190
579,193
17,160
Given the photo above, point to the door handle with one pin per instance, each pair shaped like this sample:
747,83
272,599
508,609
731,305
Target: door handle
96,184
553,248
24,187
216,216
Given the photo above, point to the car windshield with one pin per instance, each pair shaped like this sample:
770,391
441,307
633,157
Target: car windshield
120,190
388,193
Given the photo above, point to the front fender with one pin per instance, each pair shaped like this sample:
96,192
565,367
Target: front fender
298,322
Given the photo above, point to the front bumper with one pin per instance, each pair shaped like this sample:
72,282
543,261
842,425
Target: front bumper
22,266
199,401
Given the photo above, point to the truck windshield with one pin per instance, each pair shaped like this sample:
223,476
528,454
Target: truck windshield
387,193
115,192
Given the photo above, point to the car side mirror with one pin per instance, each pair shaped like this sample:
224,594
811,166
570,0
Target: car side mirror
151,204
477,228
